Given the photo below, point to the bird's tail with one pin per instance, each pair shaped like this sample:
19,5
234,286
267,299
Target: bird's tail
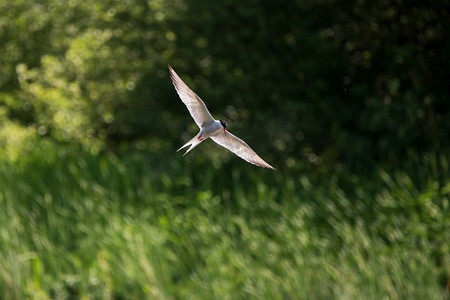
194,142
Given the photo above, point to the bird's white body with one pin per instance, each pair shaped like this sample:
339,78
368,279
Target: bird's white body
206,131
211,128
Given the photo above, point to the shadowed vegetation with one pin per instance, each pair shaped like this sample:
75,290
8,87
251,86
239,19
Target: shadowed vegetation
347,99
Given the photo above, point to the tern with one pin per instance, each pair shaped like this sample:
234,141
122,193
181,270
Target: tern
211,128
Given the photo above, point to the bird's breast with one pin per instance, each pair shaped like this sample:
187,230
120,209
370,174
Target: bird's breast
211,129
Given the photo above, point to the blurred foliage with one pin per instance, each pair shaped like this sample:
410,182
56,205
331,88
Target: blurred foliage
80,225
351,95
338,81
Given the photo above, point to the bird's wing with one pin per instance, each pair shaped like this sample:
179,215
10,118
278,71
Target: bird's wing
194,104
240,148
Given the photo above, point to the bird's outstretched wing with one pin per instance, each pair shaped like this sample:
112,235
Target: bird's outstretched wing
194,104
240,148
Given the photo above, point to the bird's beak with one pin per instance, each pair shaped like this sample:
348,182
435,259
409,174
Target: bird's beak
224,131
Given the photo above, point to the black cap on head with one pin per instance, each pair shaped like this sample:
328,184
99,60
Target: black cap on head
224,123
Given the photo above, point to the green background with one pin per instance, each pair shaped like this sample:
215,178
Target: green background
349,100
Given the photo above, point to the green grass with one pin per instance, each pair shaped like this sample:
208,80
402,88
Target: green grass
80,225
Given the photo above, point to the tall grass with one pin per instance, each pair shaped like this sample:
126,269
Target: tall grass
78,225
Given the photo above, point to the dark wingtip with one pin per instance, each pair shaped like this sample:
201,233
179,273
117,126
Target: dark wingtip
172,74
262,164
270,167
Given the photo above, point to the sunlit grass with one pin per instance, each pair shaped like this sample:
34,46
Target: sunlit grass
74,224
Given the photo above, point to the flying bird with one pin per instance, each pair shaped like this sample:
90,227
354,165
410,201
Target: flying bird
211,128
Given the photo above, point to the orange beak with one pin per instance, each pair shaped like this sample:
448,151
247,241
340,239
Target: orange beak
224,131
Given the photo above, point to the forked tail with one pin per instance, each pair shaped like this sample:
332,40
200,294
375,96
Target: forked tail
194,142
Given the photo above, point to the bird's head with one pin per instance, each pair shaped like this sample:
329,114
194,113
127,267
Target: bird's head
224,125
